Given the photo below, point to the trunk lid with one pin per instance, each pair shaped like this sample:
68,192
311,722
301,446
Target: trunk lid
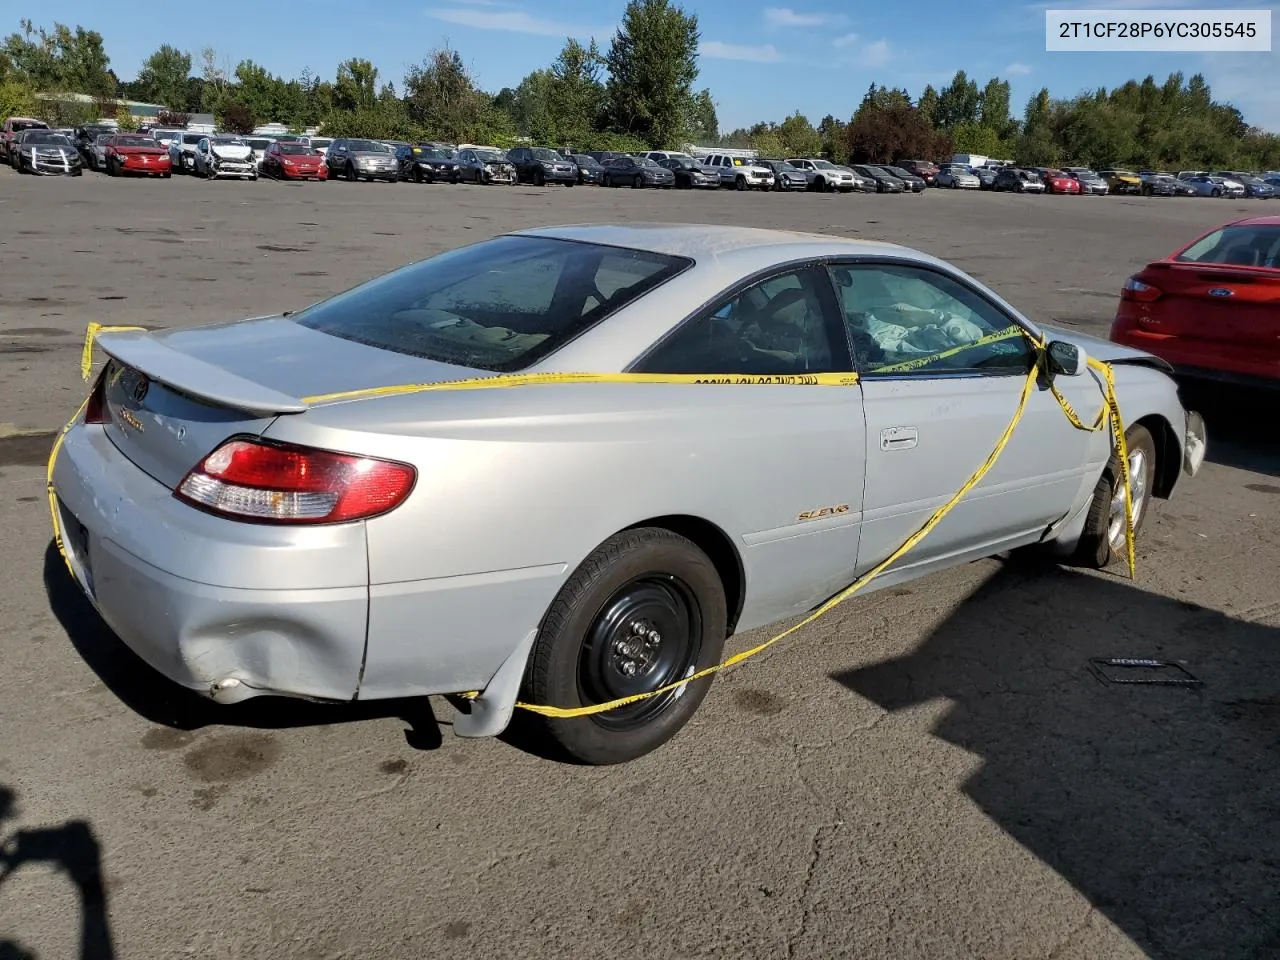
1216,302
174,396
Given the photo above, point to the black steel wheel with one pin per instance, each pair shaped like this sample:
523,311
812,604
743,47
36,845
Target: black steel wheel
644,610
351,172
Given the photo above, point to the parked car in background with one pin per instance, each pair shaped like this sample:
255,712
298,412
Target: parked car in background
786,176
1211,308
690,174
485,165
957,177
1158,185
225,157
41,151
739,172
913,183
589,168
542,165
926,170
885,182
1017,180
132,153
1058,181
9,132
638,172
359,159
657,156
259,146
427,163
182,151
94,154
86,137
164,137
827,177
1208,185
1121,181
287,160
1090,183
1254,187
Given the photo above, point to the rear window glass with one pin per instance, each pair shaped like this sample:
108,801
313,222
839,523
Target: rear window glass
499,305
1239,246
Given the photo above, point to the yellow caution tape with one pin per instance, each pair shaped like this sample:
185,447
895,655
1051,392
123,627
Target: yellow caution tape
1008,333
1110,413
91,335
539,379
53,496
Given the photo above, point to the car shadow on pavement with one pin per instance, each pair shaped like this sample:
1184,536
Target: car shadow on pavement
71,849
161,701
1157,803
1243,425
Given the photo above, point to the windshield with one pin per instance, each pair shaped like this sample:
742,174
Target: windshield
431,153
192,137
582,160
135,142
228,141
296,149
16,125
56,139
104,137
499,305
824,164
490,156
259,144
542,153
1240,245
367,146
645,162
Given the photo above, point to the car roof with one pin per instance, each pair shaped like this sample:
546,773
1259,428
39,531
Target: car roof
691,239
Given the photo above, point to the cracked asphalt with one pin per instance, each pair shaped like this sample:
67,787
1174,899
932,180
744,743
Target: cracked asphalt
929,772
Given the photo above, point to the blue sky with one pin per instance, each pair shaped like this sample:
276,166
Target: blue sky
760,61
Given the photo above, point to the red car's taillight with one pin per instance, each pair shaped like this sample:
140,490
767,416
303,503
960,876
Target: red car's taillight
1135,289
252,479
95,410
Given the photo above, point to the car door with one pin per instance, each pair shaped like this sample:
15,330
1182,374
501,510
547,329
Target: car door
942,369
796,498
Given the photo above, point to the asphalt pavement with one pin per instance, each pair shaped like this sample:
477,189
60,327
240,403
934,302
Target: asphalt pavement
929,772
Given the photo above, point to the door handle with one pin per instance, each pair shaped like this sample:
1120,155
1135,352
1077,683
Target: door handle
899,438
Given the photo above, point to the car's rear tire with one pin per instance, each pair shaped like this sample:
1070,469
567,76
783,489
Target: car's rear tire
645,609
1103,536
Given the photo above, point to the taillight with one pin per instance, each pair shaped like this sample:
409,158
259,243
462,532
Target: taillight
252,479
95,410
1135,289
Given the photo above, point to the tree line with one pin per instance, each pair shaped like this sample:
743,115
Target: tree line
641,93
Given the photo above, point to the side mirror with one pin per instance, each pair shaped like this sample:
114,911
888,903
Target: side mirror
1066,359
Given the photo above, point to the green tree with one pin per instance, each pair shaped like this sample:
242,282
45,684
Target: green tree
259,90
163,77
993,107
835,143
653,62
234,116
443,99
701,123
59,60
799,138
957,102
575,97
215,77
356,87
928,105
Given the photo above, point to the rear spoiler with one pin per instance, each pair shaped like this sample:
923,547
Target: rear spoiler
194,377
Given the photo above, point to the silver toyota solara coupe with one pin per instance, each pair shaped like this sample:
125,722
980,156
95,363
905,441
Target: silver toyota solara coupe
247,533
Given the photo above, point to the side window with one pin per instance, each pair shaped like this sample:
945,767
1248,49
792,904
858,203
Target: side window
904,319
778,327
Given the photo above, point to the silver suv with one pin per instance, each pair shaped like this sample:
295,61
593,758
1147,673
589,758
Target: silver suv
739,172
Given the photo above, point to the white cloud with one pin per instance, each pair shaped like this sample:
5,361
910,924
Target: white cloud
876,54
848,40
513,21
1017,70
716,50
786,17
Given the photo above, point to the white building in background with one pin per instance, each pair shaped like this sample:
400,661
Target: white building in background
700,152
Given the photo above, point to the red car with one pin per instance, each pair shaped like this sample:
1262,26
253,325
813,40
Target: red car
294,161
1056,181
924,169
1212,309
134,153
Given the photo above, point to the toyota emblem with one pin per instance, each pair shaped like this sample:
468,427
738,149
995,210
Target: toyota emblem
138,389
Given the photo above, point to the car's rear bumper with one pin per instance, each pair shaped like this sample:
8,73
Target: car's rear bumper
1244,364
230,610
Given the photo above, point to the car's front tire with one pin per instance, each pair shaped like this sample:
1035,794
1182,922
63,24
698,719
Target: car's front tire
1103,538
645,609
